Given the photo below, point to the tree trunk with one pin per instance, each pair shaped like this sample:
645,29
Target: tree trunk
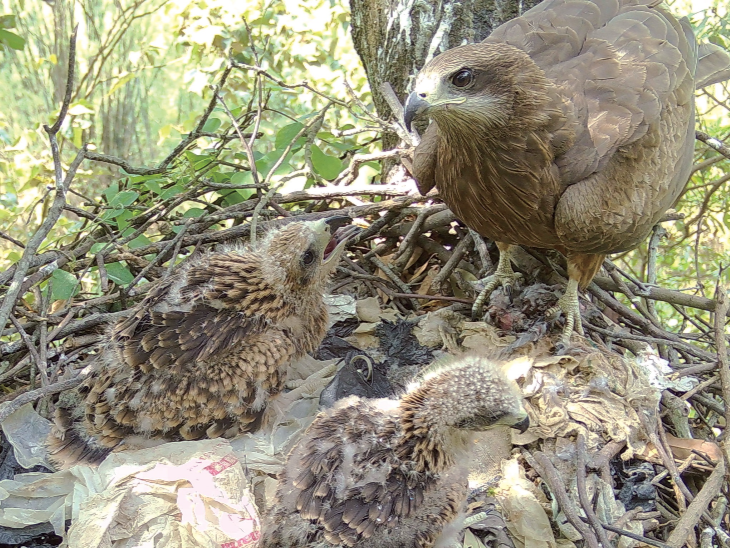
396,38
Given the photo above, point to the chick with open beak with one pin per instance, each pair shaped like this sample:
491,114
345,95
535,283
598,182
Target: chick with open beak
208,348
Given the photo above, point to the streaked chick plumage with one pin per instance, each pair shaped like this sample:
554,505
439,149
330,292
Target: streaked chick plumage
391,472
205,351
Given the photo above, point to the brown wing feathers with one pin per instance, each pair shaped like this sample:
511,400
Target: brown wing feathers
389,473
204,352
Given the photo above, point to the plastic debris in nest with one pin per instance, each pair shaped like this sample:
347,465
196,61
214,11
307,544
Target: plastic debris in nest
593,393
637,489
117,502
178,495
525,508
27,431
360,376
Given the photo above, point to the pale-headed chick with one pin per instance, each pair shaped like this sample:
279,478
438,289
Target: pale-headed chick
392,473
205,351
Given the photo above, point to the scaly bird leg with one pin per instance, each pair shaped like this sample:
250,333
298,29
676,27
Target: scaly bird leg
568,304
504,276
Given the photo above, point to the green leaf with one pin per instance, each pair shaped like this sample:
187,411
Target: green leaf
124,198
193,212
78,134
286,135
172,191
79,108
237,196
97,247
139,241
112,191
124,78
153,185
242,178
211,125
198,161
11,40
65,285
327,166
7,21
123,218
119,274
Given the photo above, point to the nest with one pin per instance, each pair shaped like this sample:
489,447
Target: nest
612,416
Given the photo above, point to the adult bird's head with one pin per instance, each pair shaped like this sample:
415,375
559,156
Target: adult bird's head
301,256
473,87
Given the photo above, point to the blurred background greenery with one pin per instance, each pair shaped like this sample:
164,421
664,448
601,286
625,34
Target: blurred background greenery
144,74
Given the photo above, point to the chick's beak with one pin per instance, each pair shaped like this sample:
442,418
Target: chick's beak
522,425
416,104
337,221
344,233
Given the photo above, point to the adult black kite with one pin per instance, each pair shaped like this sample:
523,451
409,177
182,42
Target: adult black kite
570,128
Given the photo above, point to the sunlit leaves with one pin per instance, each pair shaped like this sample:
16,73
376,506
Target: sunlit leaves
286,135
64,285
119,274
123,199
212,125
10,39
325,165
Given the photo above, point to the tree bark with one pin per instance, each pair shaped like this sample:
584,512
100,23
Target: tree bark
395,38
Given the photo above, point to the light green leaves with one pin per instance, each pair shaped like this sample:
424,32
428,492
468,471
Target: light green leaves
325,165
64,285
119,274
10,39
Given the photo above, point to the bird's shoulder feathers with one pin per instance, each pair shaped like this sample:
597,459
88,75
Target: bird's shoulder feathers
347,480
617,62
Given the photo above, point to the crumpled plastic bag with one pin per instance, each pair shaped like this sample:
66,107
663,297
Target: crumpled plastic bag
522,505
341,307
27,431
593,394
177,495
658,373
287,416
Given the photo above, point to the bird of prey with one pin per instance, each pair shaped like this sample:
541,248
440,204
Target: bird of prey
204,352
391,472
570,128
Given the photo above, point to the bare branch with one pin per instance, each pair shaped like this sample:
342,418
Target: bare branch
713,143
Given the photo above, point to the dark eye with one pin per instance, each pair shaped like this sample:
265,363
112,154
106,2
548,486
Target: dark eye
462,78
308,258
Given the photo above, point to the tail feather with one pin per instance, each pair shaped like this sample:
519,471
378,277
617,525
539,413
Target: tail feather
69,443
713,65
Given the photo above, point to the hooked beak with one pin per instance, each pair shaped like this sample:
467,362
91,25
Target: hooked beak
415,105
344,233
523,425
337,221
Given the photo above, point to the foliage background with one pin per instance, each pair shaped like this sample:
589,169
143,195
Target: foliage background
145,70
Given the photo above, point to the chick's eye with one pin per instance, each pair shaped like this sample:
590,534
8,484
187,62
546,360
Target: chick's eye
462,78
308,258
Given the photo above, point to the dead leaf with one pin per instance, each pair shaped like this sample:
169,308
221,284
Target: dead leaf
417,252
425,287
368,310
682,449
